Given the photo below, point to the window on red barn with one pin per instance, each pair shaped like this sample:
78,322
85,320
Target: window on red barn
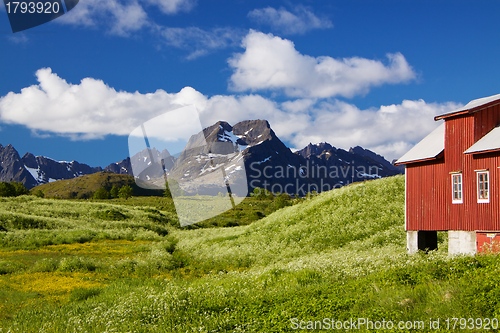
483,187
456,186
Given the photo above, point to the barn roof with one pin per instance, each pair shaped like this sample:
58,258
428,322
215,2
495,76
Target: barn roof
472,106
488,143
427,149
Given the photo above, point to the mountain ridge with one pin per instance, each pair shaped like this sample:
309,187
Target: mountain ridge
252,142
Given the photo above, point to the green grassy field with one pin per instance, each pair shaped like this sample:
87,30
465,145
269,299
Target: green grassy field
125,266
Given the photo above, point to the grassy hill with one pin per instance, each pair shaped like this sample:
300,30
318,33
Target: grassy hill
337,257
85,186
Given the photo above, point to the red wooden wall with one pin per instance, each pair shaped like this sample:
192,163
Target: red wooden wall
428,196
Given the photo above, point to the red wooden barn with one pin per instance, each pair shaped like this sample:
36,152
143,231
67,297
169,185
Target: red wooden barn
453,181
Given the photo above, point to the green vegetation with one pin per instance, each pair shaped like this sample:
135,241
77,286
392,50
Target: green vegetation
101,185
125,266
114,191
12,189
101,194
125,192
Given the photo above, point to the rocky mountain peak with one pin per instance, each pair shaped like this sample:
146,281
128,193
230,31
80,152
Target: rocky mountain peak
12,168
252,132
30,160
316,149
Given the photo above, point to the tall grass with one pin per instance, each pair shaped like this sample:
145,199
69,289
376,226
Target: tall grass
362,218
340,255
29,222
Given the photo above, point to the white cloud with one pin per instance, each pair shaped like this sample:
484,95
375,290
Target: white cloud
129,18
120,17
126,17
272,63
87,110
237,108
173,6
92,109
387,130
199,42
299,21
18,38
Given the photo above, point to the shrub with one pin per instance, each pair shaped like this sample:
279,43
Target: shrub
125,192
12,189
282,200
39,193
19,189
7,190
101,194
114,192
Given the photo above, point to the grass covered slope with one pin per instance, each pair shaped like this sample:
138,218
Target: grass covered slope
360,217
29,222
85,186
338,256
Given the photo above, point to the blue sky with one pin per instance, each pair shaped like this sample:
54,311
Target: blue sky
353,72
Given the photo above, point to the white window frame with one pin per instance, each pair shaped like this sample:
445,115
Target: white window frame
457,190
483,186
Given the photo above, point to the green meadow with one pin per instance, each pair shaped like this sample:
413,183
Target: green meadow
269,266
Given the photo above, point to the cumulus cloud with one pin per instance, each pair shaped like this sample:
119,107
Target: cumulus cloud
272,63
91,109
281,20
199,42
389,130
87,110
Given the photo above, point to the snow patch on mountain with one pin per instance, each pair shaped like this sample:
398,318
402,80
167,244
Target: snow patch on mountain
33,172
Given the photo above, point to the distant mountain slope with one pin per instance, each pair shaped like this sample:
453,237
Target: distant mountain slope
220,153
34,170
12,168
123,167
268,163
46,170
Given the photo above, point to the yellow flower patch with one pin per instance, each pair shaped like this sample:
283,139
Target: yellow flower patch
52,283
101,248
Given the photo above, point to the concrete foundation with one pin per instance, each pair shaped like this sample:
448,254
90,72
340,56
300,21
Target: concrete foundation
412,241
461,242
421,240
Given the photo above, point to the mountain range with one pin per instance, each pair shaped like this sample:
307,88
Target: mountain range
248,149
